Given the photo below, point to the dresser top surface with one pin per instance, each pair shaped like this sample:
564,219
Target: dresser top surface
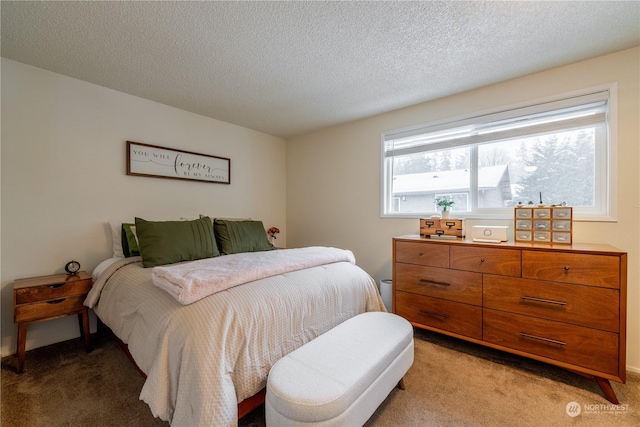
574,247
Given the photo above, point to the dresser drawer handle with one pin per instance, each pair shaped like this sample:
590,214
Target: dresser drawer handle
433,282
434,314
548,340
566,268
56,301
57,285
546,301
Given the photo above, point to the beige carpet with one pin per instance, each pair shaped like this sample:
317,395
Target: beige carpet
452,383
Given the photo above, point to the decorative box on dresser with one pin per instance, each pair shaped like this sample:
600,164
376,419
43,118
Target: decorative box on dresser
560,304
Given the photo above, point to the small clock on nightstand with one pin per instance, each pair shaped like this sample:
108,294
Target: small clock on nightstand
72,267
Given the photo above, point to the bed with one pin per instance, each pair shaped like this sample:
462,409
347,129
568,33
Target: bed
202,358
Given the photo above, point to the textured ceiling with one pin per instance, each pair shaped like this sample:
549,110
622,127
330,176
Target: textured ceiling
287,68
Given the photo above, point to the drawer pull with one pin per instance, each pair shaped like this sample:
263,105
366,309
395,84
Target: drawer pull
57,285
481,259
546,301
548,340
433,282
566,268
56,301
434,314
420,254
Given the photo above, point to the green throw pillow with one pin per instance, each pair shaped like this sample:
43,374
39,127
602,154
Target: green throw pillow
168,242
241,236
129,241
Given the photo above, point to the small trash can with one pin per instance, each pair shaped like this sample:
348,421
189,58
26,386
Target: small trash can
385,293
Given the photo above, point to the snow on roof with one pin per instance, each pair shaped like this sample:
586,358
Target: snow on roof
448,181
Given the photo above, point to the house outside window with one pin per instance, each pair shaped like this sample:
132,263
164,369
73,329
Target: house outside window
557,150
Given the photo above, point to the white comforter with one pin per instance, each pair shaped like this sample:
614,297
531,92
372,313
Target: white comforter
203,358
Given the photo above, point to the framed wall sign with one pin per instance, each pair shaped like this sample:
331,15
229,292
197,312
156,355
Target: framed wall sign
161,162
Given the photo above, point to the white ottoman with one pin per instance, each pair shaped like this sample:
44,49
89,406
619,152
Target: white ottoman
341,377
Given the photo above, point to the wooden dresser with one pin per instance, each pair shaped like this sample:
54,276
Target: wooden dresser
563,304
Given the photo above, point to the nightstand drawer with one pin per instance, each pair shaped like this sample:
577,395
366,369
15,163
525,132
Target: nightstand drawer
460,286
584,347
53,291
579,305
463,319
49,309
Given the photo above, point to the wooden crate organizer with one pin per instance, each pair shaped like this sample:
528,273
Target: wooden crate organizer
441,227
545,224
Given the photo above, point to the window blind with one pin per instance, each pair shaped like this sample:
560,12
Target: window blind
566,114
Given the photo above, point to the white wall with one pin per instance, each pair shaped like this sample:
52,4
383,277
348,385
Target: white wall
333,175
64,177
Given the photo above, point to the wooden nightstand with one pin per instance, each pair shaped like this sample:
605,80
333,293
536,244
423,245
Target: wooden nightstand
37,299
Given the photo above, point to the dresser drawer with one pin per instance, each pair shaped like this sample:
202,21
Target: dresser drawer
583,269
434,255
505,262
580,305
49,309
53,291
460,286
584,347
462,319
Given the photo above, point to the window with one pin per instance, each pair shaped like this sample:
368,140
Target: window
556,150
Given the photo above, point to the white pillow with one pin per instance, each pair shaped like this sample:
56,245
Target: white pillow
103,266
116,235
